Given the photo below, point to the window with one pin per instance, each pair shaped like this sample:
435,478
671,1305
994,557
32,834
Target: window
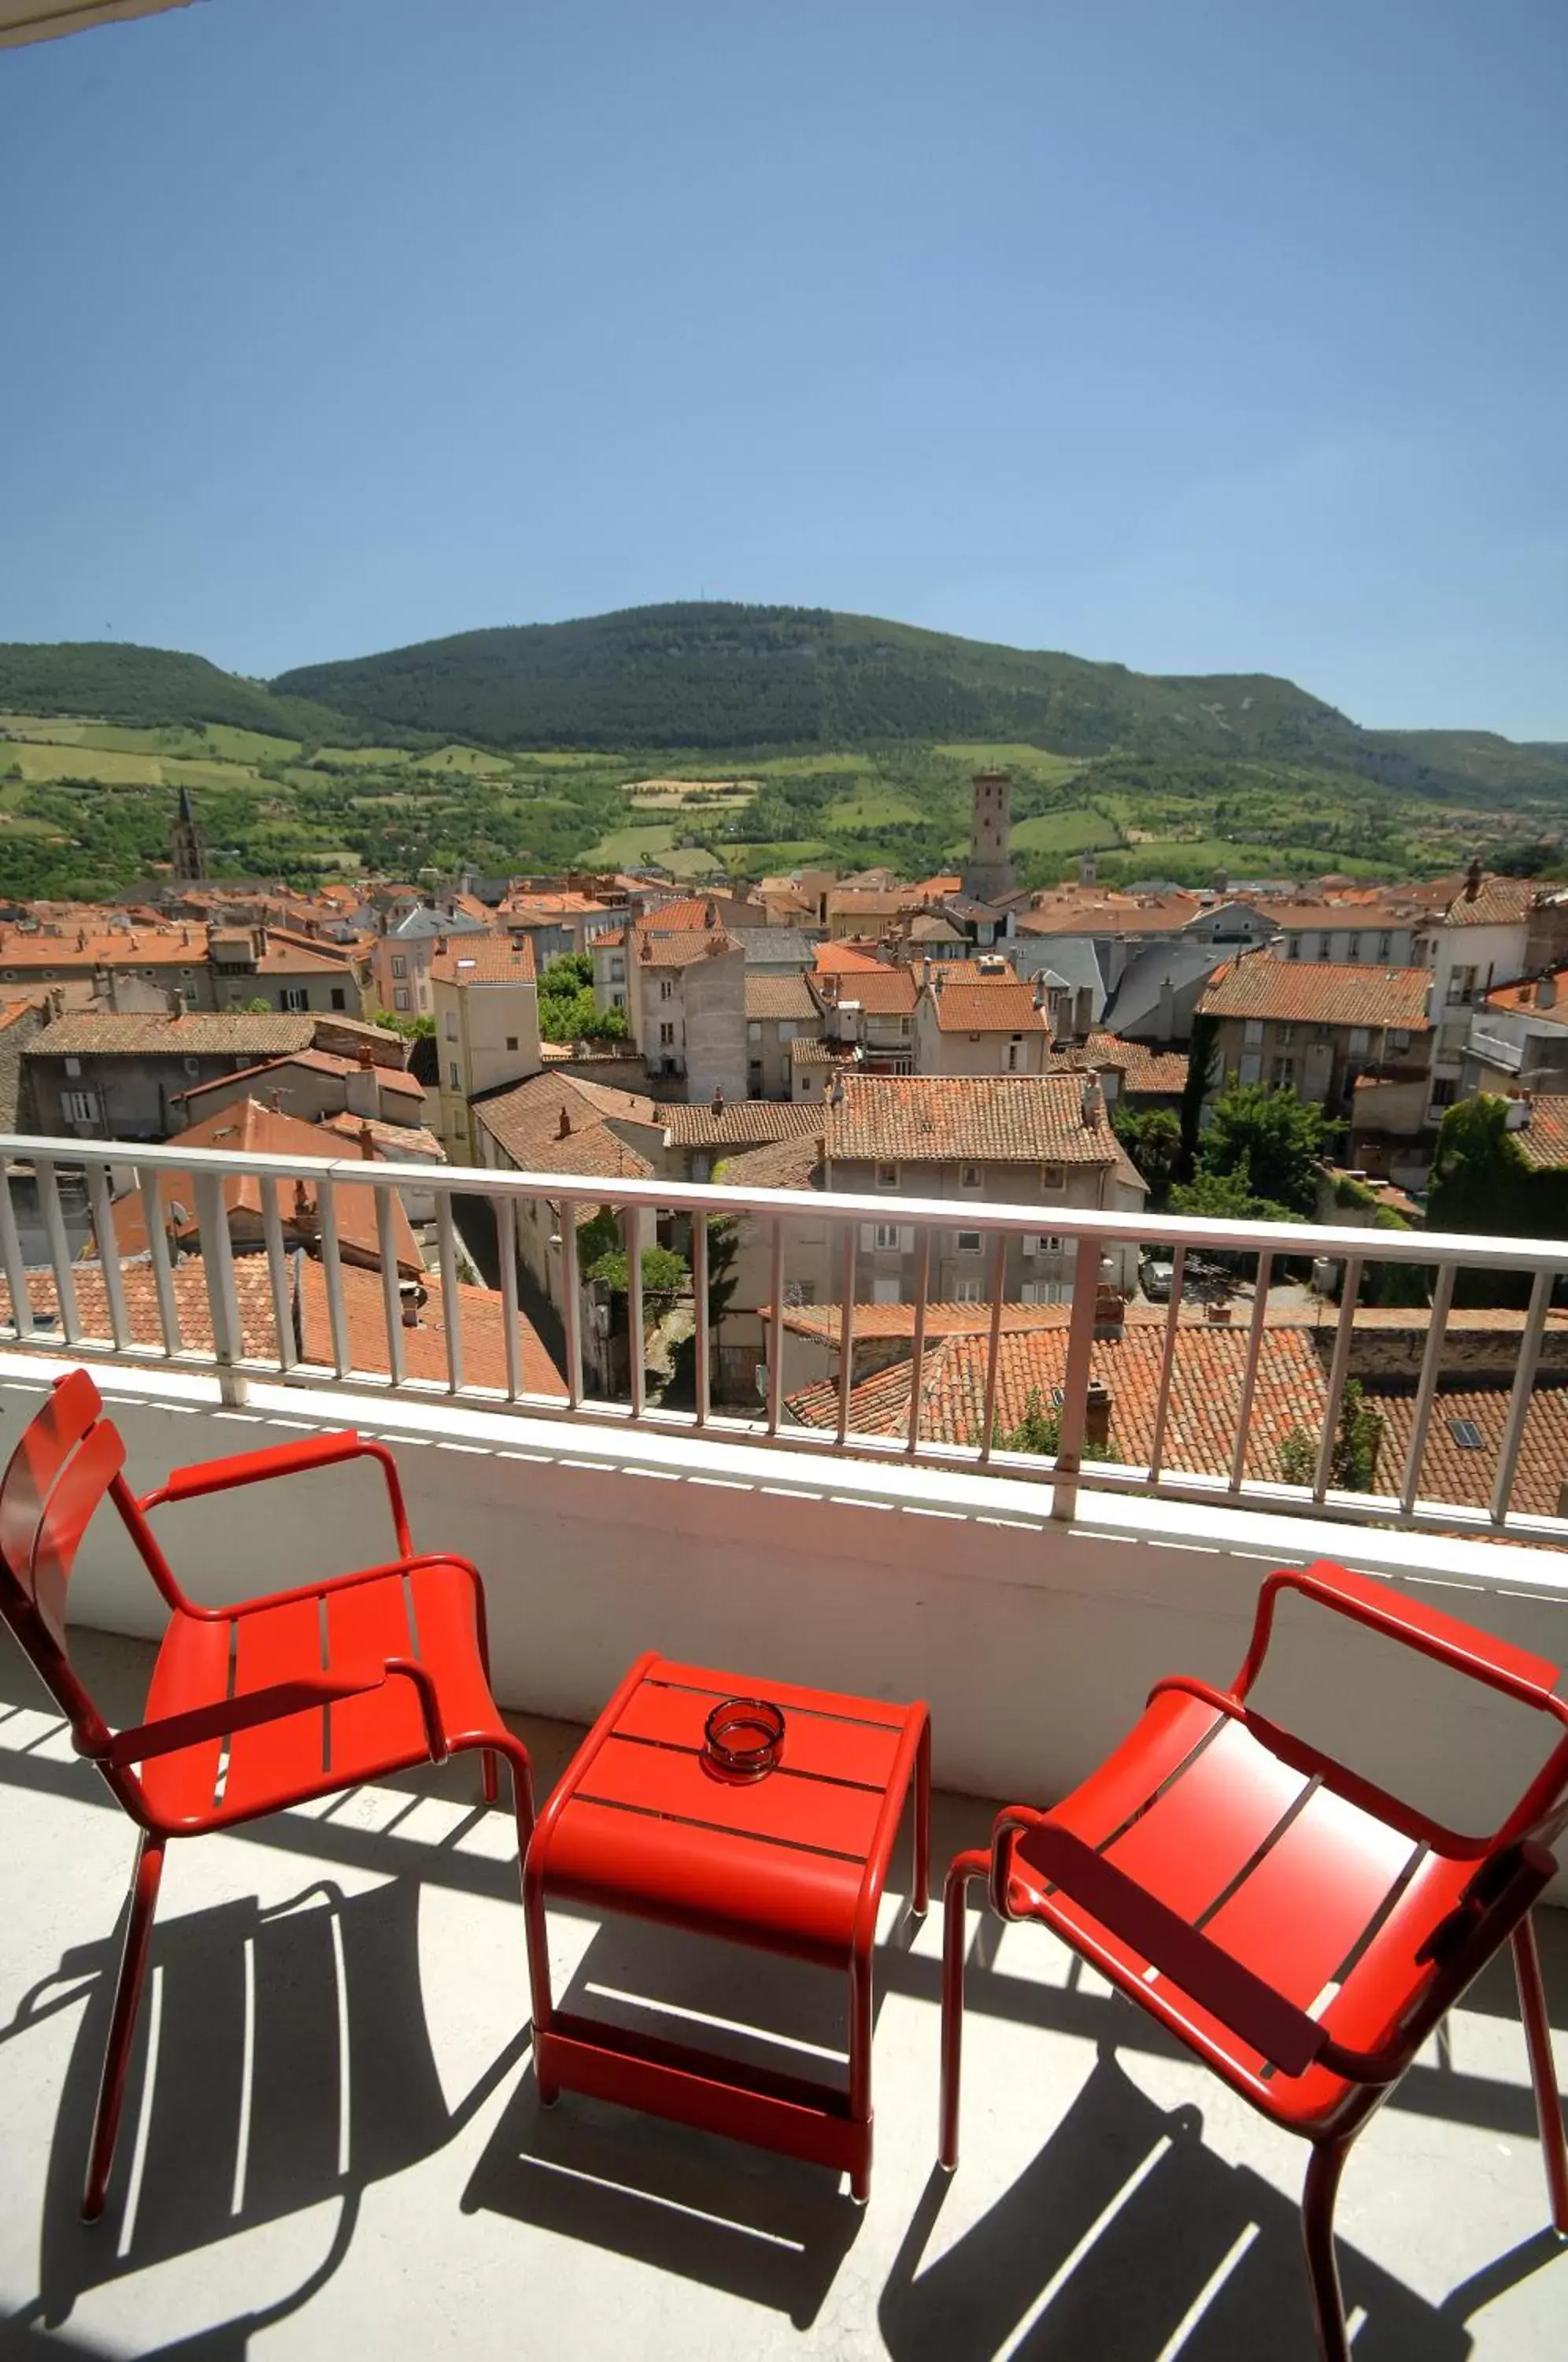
805,1291
1399,1039
400,997
617,970
338,998
1251,1033
1013,1055
904,1025
1445,1090
451,1024
968,1176
1360,1040
80,1107
1053,1178
666,1036
1293,949
1353,947
754,1032
967,1291
454,1079
1284,1034
1284,1075
1385,947
1461,985
969,1241
294,995
73,1065
887,1176
665,988
399,966
512,1040
1324,943
973,1037
884,1234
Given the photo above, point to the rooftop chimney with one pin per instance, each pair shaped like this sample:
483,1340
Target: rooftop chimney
718,1100
1472,878
1546,993
563,1129
1090,1103
365,1055
411,1297
1097,1410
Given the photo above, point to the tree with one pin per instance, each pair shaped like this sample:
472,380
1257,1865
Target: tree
1153,1140
1195,1090
1277,1137
1040,1431
1228,1198
1480,1179
723,1245
1353,1462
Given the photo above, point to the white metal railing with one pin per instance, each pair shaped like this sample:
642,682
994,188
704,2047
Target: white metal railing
39,1162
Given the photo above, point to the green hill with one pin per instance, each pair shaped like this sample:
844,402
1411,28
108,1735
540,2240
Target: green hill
113,680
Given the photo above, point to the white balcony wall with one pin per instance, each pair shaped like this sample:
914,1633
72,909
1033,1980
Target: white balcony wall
1034,1641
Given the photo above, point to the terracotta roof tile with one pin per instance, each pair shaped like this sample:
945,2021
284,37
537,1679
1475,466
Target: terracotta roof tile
483,1323
778,996
740,1123
880,992
226,1032
1320,992
990,1119
1543,1141
999,1007
1499,902
1143,1067
792,1163
484,959
525,1122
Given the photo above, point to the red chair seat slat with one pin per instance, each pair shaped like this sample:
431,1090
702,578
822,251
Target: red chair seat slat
365,1624
277,1760
191,1669
1297,1919
824,1814
707,1880
1208,1823
1152,1751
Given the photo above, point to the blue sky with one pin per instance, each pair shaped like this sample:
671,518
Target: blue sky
1202,336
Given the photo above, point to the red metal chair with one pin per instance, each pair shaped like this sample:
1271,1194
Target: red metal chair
251,1709
1299,1927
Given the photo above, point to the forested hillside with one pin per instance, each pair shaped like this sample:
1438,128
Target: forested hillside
113,681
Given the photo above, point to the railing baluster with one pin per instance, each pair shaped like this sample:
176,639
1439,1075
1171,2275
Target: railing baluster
1074,1380
332,1271
451,1302
917,1356
16,1269
776,1331
505,1213
1167,1366
278,1274
392,1290
571,1304
633,1219
702,1340
158,1256
993,1348
108,1248
58,1251
846,1332
218,1269
1338,1370
1250,1373
1432,1367
1519,1400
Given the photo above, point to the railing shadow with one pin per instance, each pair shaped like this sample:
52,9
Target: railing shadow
282,2062
747,2222
1127,2238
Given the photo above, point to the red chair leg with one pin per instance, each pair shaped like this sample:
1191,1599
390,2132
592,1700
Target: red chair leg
920,1901
1543,2067
122,2023
492,1777
1317,2231
955,1934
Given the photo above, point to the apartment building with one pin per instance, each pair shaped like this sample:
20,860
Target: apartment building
1313,1026
485,1003
413,936
781,1011
686,1004
1041,1140
95,1076
993,1026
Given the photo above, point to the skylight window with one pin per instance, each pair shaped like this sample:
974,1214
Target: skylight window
1467,1434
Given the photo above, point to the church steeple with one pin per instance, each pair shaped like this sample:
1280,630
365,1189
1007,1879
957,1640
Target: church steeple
187,845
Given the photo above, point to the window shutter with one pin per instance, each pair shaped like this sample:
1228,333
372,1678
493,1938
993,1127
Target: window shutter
1030,1243
869,1235
906,1237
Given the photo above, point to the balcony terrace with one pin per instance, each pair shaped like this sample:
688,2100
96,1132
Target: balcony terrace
332,2132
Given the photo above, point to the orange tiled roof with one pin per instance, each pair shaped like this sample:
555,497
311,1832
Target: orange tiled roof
653,950
391,1141
1206,1373
994,1007
880,991
1543,1141
480,1313
842,959
1498,902
250,1129
986,1119
252,1289
315,1062
739,1123
1143,1067
1319,992
525,1120
1524,998
213,1033
778,996
1453,1472
1076,912
484,959
792,1163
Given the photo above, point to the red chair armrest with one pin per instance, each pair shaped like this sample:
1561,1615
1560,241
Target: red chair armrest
224,1716
292,1459
1262,2017
1530,1679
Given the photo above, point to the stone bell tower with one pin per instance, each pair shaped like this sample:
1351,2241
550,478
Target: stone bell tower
187,845
989,871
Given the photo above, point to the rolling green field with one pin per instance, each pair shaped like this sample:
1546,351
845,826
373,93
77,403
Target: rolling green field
86,805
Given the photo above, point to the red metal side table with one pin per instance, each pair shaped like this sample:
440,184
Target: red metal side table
792,1860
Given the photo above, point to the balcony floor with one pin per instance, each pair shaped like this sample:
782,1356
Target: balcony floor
1112,2199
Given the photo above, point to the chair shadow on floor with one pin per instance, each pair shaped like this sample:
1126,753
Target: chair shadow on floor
1126,2237
282,2062
741,2220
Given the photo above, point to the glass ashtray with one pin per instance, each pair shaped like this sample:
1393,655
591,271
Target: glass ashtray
743,1737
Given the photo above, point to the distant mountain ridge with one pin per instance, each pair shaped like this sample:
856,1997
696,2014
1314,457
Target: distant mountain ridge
713,677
